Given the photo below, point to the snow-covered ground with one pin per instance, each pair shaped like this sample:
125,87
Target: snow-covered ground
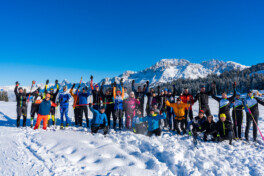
75,151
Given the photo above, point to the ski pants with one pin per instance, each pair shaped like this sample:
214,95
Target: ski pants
169,118
84,109
249,121
95,128
21,111
109,111
157,132
34,110
45,120
228,136
181,123
118,115
186,117
64,111
77,115
129,118
237,121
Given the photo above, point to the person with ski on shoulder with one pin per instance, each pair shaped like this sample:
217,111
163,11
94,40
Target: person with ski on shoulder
153,122
224,129
237,115
99,120
21,98
138,125
203,98
63,98
252,113
44,111
179,111
224,101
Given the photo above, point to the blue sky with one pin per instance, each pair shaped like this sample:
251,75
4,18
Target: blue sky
69,39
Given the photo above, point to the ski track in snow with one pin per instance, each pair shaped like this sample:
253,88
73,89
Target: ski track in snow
75,151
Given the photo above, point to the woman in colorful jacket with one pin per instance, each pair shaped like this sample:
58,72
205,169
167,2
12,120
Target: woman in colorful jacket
131,103
44,111
118,101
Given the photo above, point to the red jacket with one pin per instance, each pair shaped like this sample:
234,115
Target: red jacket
185,98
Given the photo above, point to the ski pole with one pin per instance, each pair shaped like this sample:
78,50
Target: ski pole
255,122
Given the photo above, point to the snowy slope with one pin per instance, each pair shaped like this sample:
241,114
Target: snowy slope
75,151
167,70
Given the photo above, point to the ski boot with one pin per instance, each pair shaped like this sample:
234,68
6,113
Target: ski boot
61,127
67,125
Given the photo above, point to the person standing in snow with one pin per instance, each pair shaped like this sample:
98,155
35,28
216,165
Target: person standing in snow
153,123
118,101
251,107
170,96
99,120
83,95
224,102
130,105
140,94
97,96
179,111
44,110
202,98
237,115
64,98
76,107
34,107
21,98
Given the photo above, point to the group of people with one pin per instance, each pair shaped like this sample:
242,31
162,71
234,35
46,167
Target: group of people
162,109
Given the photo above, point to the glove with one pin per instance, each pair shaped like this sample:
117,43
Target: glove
133,82
147,83
218,138
47,82
38,89
73,86
190,133
79,86
33,82
121,82
17,84
90,104
114,84
91,77
56,82
234,85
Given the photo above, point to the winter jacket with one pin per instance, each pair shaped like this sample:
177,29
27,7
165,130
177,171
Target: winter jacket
210,128
252,103
137,120
21,98
223,127
97,95
224,103
44,106
153,121
179,109
131,104
75,99
83,97
139,95
199,123
202,97
53,96
98,118
64,99
187,97
35,96
118,100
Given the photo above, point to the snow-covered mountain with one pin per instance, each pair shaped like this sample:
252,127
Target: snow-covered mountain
167,70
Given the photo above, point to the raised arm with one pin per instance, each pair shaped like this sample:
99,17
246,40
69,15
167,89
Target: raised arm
234,92
15,90
91,83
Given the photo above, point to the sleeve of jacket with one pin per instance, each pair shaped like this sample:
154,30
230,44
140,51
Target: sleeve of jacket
260,101
168,103
216,98
233,97
15,90
53,104
91,84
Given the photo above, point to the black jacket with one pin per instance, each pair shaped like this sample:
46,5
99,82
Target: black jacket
224,127
21,98
202,97
210,128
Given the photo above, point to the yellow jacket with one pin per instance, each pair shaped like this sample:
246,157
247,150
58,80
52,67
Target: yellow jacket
179,109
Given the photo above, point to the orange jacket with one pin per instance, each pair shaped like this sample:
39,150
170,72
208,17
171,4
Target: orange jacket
179,109
185,98
74,98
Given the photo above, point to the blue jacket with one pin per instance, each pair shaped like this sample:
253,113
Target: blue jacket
153,121
136,120
83,97
118,103
44,107
64,99
98,118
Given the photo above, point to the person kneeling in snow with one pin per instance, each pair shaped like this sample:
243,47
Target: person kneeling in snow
99,120
138,125
153,122
210,128
224,129
197,124
44,111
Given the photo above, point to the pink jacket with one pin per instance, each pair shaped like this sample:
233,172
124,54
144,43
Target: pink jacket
131,103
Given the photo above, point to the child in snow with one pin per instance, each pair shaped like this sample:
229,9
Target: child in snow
224,129
44,111
179,111
137,124
153,122
131,103
99,120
